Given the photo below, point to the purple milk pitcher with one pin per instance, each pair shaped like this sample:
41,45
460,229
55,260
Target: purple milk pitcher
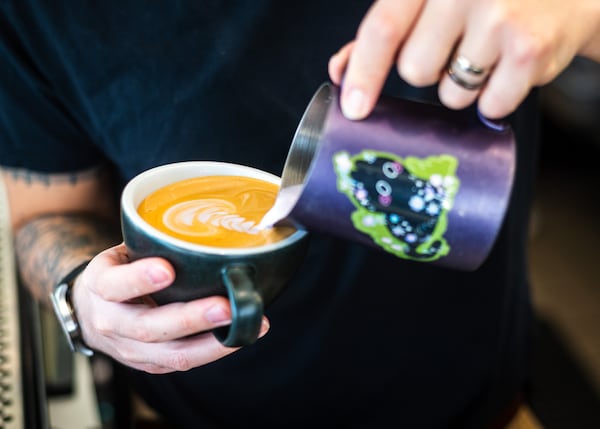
417,180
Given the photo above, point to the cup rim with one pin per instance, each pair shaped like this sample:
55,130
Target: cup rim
162,175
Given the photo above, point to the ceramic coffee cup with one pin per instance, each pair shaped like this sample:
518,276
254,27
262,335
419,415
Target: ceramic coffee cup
419,181
251,277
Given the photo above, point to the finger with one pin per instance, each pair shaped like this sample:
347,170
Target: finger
337,63
522,65
480,48
424,56
178,355
507,88
113,280
172,321
378,40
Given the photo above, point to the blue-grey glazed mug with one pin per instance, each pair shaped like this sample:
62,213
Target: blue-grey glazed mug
251,277
417,180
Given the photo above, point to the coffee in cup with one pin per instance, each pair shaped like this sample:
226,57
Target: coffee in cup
220,211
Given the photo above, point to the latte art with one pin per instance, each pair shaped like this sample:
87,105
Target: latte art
204,217
220,211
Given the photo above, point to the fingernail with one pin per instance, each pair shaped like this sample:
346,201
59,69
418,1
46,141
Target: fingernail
218,316
264,327
355,104
159,276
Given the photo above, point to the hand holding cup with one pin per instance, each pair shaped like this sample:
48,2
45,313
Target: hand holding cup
181,212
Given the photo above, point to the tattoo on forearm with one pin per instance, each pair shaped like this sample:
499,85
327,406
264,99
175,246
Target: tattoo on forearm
46,179
50,246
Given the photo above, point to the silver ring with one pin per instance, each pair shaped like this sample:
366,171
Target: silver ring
463,64
466,74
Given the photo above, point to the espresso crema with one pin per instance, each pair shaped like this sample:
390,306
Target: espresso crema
218,211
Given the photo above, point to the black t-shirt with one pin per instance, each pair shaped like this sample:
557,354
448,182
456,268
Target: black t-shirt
359,337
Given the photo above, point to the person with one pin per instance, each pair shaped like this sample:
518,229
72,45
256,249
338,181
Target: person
95,92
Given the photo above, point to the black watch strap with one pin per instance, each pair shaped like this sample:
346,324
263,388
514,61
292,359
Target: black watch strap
63,308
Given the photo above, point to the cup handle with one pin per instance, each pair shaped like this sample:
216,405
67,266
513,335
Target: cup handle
246,307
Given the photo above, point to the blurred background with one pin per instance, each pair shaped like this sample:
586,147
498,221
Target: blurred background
564,253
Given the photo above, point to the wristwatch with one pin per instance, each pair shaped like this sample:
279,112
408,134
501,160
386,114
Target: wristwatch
63,308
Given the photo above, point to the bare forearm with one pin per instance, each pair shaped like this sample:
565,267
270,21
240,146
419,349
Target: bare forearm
48,247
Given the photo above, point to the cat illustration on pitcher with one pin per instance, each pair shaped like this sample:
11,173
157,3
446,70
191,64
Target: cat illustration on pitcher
401,203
